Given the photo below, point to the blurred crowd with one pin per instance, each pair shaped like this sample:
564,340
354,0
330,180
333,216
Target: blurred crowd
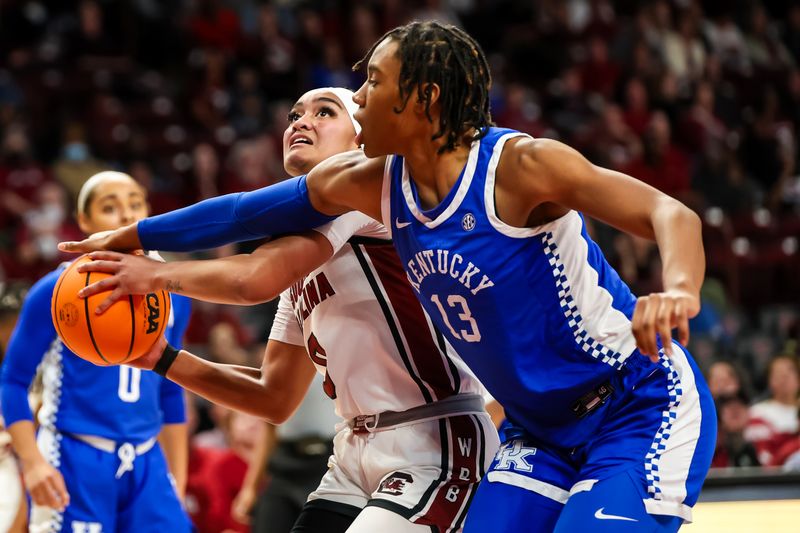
698,98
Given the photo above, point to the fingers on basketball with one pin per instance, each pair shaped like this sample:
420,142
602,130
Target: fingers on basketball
124,332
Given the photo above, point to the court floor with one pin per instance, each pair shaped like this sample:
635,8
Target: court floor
764,516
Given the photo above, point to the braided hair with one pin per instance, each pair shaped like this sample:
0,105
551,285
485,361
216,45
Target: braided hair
431,52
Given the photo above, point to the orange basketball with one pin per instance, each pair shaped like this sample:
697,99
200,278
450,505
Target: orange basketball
124,332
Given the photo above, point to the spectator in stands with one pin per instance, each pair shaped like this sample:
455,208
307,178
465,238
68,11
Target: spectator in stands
732,447
20,175
637,111
724,379
722,182
211,99
611,142
701,129
568,104
206,171
522,110
250,166
765,49
76,163
599,74
273,54
773,421
663,164
727,42
684,53
214,25
668,96
769,147
92,45
248,107
216,474
44,227
791,33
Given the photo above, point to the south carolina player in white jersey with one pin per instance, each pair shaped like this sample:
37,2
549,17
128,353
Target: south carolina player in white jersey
416,438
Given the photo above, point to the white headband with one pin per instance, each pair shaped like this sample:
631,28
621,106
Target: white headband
93,182
346,97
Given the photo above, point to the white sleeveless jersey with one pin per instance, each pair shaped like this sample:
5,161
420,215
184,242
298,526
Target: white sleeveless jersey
365,330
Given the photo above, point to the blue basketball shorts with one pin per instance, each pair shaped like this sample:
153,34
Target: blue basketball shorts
109,492
642,471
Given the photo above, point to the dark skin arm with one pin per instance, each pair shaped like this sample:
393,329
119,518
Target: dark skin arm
558,178
273,393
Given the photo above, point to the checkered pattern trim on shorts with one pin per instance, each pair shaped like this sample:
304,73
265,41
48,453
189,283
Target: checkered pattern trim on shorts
668,417
571,312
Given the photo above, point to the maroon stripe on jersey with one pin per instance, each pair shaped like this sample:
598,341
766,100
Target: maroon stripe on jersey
430,362
466,450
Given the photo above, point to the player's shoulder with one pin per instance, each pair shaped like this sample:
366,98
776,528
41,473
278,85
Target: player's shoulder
537,165
347,181
526,150
352,165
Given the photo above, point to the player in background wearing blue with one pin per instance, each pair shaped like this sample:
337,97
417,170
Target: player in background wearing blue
96,464
613,427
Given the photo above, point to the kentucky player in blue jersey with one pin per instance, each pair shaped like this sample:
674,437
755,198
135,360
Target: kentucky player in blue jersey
95,465
612,426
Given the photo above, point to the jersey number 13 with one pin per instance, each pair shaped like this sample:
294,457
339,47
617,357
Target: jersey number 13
468,328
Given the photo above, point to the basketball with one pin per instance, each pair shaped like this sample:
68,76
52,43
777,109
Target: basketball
124,332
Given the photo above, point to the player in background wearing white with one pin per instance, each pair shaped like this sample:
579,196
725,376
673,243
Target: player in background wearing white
393,470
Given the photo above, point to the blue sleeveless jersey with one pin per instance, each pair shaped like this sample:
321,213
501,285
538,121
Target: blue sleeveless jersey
537,313
117,402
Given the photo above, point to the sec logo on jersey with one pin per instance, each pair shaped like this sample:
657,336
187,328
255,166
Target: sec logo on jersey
468,222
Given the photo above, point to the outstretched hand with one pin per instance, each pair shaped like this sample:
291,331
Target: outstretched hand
124,239
130,274
657,315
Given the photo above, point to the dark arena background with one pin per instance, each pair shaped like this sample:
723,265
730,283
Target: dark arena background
698,98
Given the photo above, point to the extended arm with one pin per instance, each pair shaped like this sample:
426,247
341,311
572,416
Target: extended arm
240,279
559,177
273,394
343,183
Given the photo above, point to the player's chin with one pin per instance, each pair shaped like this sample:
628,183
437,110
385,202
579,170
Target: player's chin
295,164
373,149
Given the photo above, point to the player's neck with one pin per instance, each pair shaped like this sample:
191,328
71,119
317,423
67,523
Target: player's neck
433,173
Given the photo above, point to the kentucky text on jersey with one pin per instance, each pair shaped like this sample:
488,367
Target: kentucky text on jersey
439,261
537,313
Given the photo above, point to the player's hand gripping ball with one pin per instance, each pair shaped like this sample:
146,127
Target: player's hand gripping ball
127,330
